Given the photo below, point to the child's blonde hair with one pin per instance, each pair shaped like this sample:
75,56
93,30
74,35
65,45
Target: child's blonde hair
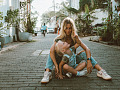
58,49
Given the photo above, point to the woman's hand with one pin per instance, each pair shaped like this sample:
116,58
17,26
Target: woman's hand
60,76
89,66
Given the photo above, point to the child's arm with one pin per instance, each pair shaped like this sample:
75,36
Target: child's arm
60,69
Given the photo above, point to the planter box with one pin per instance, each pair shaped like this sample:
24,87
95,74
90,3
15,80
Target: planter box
25,36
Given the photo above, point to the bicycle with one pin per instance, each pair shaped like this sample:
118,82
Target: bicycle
43,32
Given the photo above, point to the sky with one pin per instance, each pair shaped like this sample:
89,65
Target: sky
42,6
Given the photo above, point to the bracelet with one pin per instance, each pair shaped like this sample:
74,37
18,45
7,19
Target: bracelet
88,58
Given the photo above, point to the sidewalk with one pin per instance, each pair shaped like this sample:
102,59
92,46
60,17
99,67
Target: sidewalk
102,42
11,46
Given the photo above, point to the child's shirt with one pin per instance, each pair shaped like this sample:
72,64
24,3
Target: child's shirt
70,59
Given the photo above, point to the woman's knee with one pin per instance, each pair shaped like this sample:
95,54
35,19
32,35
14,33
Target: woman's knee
66,67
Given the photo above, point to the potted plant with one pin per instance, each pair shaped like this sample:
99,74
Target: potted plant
29,29
13,20
28,23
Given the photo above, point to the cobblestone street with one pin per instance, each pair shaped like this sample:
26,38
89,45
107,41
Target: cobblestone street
22,68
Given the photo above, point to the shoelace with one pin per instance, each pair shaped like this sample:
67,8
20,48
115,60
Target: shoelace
105,73
45,75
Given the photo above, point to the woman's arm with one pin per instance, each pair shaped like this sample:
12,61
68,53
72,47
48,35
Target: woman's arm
60,69
52,55
88,53
80,43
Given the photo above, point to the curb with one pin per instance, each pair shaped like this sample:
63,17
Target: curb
11,47
102,42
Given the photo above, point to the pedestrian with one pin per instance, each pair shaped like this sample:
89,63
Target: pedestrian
67,33
44,29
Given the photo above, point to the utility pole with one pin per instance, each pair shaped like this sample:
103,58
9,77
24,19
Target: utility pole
54,8
55,18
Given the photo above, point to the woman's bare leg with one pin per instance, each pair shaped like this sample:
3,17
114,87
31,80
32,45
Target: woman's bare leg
98,67
47,69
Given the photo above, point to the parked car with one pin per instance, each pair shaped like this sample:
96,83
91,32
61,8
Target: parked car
50,30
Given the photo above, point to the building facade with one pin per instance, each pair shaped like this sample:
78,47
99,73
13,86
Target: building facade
5,5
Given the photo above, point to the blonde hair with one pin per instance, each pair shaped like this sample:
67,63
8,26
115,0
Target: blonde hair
57,49
63,27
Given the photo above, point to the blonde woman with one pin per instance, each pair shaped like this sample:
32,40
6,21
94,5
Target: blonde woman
67,34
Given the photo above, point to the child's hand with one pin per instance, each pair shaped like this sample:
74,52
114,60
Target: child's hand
60,76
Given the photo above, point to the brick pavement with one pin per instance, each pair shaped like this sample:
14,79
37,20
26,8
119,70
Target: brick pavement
22,68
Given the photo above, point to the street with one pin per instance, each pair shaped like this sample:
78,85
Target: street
23,67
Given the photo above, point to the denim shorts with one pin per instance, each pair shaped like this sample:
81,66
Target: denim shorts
82,56
50,64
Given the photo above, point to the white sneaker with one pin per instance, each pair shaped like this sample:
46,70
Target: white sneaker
83,73
103,74
69,74
47,77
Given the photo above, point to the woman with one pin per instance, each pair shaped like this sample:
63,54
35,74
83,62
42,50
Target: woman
67,34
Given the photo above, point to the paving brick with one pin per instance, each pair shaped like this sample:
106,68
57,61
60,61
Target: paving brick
26,88
9,88
45,88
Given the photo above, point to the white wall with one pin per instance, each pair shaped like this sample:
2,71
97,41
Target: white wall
114,6
4,6
99,14
75,4
52,22
15,5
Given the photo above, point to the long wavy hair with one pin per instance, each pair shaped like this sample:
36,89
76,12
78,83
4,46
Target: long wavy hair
63,27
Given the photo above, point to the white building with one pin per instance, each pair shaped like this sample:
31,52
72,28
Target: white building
4,6
74,4
98,12
115,4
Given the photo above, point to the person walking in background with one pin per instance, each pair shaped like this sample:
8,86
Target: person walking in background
44,29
